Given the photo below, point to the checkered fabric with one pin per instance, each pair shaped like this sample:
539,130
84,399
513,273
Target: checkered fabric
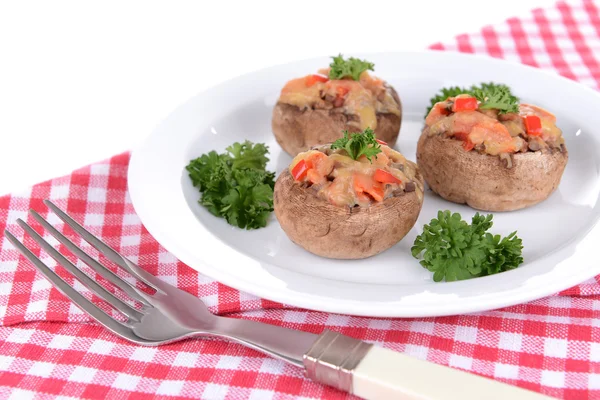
551,345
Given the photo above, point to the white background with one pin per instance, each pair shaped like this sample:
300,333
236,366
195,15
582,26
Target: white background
81,81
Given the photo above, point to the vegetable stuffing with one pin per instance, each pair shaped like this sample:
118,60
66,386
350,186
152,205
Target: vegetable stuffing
235,185
490,96
454,250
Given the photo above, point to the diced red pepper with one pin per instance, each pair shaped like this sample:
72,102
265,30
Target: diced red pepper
315,158
312,79
441,108
341,91
299,171
464,136
364,184
320,162
376,192
467,144
533,124
464,104
381,142
383,176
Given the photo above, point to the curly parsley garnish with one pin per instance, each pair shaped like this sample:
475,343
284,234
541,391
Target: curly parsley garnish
454,250
358,144
499,97
235,184
350,68
490,96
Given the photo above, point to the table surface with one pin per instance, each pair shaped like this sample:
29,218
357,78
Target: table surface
80,82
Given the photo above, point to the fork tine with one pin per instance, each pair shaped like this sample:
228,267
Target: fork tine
125,308
84,304
95,265
105,249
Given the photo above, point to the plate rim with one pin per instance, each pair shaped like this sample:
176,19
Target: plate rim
345,306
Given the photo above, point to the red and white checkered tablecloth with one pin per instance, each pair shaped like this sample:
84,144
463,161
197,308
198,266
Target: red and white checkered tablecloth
550,345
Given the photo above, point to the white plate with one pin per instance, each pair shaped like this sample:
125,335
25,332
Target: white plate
560,235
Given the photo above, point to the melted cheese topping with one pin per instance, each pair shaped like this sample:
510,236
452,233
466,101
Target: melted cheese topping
494,133
349,182
364,98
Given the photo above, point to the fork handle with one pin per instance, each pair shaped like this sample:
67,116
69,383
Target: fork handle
376,373
386,374
365,370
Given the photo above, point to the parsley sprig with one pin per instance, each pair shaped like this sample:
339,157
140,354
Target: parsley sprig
358,144
235,185
454,250
350,68
490,95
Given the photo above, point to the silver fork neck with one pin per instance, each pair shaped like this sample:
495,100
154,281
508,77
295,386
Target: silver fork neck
282,343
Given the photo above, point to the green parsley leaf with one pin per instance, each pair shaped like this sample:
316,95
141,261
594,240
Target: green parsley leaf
235,184
350,68
454,250
504,253
491,96
358,144
247,156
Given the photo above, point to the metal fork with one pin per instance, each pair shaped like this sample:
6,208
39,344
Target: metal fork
171,314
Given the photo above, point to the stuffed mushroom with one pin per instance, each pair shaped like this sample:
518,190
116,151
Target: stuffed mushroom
314,109
339,206
486,150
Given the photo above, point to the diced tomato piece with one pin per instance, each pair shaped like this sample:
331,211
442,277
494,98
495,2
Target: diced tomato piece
341,91
312,79
364,184
533,124
464,136
299,171
376,192
468,145
381,142
315,158
340,96
527,109
320,162
383,176
314,176
464,104
441,109
437,113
